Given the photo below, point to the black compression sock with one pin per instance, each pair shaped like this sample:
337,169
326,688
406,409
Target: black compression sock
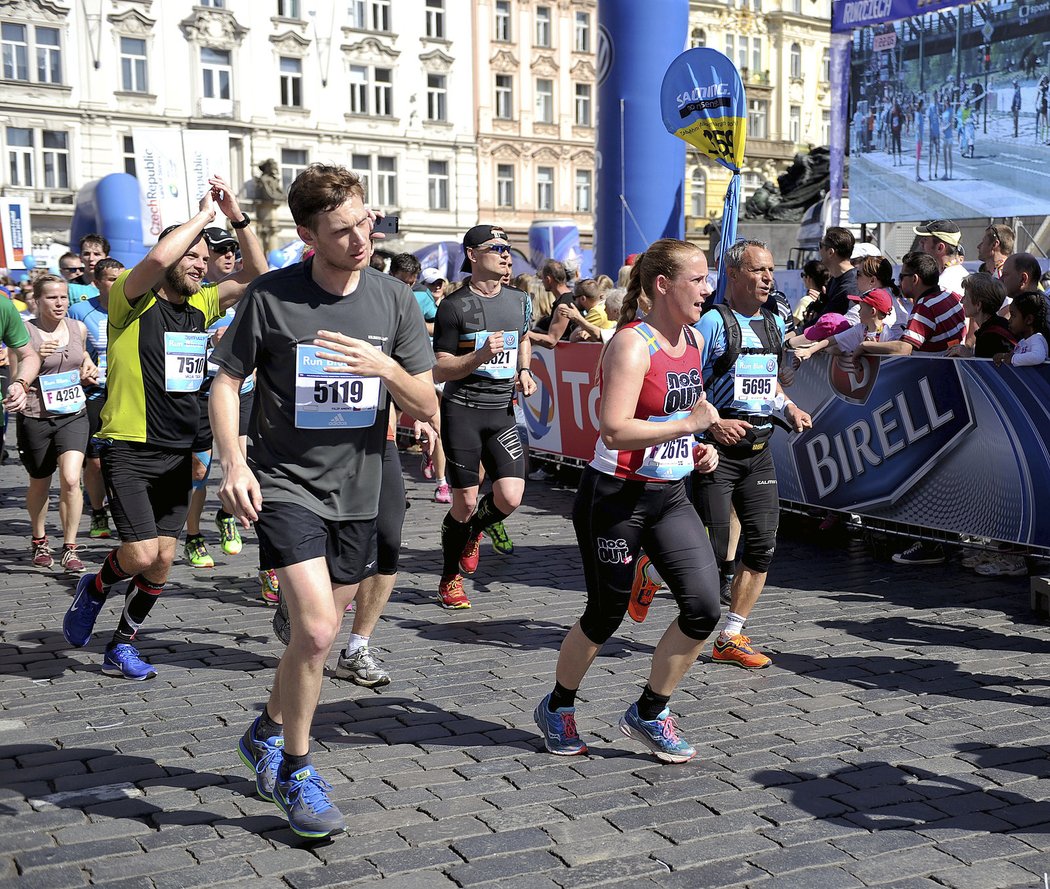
291,764
486,514
454,537
650,704
266,727
561,697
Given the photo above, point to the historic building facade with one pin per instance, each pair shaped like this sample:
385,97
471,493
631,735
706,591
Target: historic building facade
782,49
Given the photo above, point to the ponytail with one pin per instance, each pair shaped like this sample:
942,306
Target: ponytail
629,309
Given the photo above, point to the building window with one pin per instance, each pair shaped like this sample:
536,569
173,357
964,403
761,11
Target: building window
15,47
730,45
56,159
504,96
20,156
48,56
544,100
741,50
362,165
288,9
369,15
127,152
584,191
757,118
796,7
698,37
371,91
437,94
795,124
504,185
436,19
545,188
796,60
358,89
698,194
502,20
379,10
214,4
756,55
291,82
293,162
437,184
386,181
383,92
217,72
583,32
133,77
825,127
583,105
15,51
825,66
543,26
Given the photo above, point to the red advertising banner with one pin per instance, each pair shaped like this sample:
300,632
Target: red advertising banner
562,416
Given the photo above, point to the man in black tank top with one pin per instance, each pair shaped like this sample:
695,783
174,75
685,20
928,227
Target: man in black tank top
483,357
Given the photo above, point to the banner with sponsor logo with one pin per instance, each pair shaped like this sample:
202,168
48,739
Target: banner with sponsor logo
946,444
562,415
16,239
173,168
703,103
849,14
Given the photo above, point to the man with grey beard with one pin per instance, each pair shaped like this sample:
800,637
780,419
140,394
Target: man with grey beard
158,314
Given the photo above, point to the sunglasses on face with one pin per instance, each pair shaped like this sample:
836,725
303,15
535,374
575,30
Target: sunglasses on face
223,251
70,268
498,249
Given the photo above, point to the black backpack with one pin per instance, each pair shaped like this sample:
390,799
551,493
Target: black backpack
771,340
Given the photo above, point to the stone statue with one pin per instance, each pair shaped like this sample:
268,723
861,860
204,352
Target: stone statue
268,194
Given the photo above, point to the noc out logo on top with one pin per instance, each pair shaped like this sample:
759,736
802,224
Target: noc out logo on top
683,390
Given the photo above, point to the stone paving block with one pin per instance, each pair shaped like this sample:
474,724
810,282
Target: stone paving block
817,878
501,843
122,867
729,875
918,862
64,877
501,867
723,848
80,852
980,875
274,862
331,875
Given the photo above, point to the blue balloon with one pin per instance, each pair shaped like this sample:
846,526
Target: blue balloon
275,258
23,278
29,262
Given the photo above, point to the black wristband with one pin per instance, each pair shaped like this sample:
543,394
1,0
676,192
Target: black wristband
243,223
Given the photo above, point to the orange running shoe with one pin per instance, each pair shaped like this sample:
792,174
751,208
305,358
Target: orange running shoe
643,590
450,593
468,561
737,650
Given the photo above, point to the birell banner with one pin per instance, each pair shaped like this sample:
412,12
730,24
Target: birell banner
947,444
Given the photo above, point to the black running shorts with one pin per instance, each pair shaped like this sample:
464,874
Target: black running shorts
96,400
148,488
474,437
40,441
391,518
290,534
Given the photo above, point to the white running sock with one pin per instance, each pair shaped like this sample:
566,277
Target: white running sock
355,642
734,625
438,482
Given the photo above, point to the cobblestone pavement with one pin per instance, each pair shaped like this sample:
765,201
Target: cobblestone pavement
899,740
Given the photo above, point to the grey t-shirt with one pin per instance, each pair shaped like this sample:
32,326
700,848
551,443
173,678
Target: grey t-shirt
317,438
464,322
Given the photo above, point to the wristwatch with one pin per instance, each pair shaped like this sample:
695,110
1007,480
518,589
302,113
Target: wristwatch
244,223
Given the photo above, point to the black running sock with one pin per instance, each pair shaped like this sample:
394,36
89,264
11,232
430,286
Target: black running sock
111,573
454,537
141,596
650,704
486,514
291,764
221,515
561,697
266,727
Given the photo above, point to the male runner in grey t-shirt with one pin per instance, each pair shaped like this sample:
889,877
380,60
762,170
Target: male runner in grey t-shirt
332,341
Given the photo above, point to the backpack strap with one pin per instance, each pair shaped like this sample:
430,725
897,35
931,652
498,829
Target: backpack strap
733,340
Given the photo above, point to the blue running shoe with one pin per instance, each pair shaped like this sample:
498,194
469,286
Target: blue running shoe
559,729
263,757
82,613
659,735
304,799
123,660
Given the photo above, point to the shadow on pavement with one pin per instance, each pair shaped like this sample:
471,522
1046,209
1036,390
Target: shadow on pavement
878,795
